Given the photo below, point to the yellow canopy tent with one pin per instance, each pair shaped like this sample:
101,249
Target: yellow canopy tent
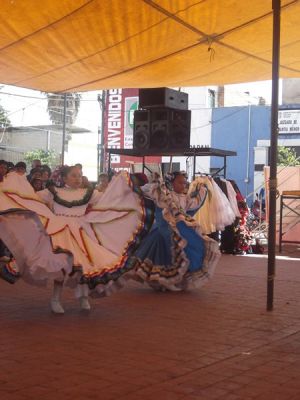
78,45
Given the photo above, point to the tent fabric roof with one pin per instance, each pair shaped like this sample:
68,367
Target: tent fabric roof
79,45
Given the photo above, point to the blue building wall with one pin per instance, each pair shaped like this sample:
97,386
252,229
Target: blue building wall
230,131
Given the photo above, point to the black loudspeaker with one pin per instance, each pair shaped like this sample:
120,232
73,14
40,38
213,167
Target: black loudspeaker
141,130
159,132
163,97
180,129
161,129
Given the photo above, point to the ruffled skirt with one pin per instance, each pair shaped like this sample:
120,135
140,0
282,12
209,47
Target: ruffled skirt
176,258
95,249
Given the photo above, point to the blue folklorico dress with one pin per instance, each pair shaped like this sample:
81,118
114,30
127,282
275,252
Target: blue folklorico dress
174,255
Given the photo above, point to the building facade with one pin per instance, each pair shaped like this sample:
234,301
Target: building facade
246,130
239,129
17,141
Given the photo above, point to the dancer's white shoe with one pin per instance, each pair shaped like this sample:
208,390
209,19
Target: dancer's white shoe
84,303
55,303
83,293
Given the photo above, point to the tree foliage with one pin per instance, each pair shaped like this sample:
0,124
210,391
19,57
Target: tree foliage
287,157
55,107
4,120
49,158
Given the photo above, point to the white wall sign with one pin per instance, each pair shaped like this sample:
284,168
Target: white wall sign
289,122
131,104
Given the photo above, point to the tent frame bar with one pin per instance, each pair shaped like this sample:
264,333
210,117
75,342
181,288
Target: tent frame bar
64,130
195,152
276,4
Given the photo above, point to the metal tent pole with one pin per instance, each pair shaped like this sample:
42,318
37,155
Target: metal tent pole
171,164
103,115
98,151
194,166
276,4
101,161
64,130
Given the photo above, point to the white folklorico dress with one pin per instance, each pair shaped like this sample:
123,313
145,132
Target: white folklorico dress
79,235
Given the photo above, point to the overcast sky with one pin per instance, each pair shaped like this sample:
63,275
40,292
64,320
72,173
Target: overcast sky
32,110
29,107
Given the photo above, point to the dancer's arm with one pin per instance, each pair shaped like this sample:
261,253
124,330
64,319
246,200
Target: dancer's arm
150,189
197,197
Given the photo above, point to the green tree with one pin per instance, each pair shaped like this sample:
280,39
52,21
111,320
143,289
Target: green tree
4,120
287,157
47,157
55,107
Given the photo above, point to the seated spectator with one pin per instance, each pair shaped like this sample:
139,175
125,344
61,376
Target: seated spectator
85,183
37,184
56,176
20,168
5,255
78,165
46,167
35,173
10,166
46,173
102,182
3,169
36,164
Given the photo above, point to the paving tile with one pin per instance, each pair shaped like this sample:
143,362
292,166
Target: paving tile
214,343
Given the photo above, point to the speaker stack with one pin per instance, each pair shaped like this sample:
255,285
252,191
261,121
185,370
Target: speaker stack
163,122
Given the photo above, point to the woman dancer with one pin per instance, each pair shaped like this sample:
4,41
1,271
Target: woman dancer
97,231
174,256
